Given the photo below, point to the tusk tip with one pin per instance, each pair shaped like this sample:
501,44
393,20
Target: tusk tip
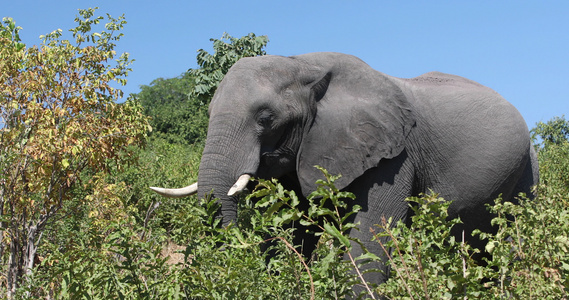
239,185
234,191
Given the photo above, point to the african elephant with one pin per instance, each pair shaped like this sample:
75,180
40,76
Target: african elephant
389,138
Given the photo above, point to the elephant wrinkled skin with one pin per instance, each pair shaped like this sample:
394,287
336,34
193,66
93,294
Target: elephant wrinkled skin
389,138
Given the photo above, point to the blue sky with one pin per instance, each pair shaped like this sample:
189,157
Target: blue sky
518,48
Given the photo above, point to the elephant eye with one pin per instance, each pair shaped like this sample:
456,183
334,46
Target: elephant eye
265,119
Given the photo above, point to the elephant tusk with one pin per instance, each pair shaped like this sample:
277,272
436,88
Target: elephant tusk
239,185
177,193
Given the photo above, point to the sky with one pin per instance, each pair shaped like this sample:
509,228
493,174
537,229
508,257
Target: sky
518,48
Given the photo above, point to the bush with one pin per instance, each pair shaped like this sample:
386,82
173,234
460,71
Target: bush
529,260
530,251
59,120
427,262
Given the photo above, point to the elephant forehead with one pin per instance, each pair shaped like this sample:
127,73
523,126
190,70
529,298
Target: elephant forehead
245,87
241,94
262,77
267,62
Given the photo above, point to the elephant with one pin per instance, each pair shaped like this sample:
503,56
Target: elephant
389,138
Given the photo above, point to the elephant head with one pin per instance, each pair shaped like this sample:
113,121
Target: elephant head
273,116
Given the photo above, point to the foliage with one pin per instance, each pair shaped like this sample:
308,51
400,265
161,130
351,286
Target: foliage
219,263
239,270
175,115
59,120
178,106
529,252
553,154
161,163
112,262
530,249
552,132
213,67
427,261
325,274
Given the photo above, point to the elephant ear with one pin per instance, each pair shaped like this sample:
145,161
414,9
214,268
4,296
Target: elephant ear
361,118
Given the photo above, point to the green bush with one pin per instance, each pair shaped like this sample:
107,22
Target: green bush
530,257
529,260
427,262
124,258
529,253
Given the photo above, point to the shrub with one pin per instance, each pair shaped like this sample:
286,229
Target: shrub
530,257
427,262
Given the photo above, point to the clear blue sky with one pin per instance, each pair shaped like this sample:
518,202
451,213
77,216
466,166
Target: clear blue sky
518,48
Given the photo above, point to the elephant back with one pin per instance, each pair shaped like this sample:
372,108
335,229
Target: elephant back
467,136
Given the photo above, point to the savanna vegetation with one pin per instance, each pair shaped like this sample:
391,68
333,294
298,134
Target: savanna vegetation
77,220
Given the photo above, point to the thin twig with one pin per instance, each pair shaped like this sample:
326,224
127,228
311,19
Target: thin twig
422,272
312,293
150,210
384,224
360,275
462,245
397,270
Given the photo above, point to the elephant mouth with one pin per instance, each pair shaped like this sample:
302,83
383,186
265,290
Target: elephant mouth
281,150
270,158
282,147
275,164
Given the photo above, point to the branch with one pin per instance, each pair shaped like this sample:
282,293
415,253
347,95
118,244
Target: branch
360,275
312,293
150,210
397,270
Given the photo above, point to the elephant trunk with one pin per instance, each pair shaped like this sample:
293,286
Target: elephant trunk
216,183
227,156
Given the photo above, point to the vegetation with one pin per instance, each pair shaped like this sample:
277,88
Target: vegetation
174,116
78,221
213,67
178,106
60,129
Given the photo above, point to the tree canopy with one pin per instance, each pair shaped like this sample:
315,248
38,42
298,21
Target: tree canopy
175,115
552,142
552,132
59,118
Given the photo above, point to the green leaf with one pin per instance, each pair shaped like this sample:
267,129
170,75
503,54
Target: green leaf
333,231
368,255
275,207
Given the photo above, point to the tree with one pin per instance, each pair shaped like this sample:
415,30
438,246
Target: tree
552,132
59,118
175,116
213,67
552,142
178,106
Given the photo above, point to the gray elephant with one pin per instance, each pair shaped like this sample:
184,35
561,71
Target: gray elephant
389,138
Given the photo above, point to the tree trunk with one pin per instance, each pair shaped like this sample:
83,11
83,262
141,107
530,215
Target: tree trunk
21,260
2,225
13,270
31,250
